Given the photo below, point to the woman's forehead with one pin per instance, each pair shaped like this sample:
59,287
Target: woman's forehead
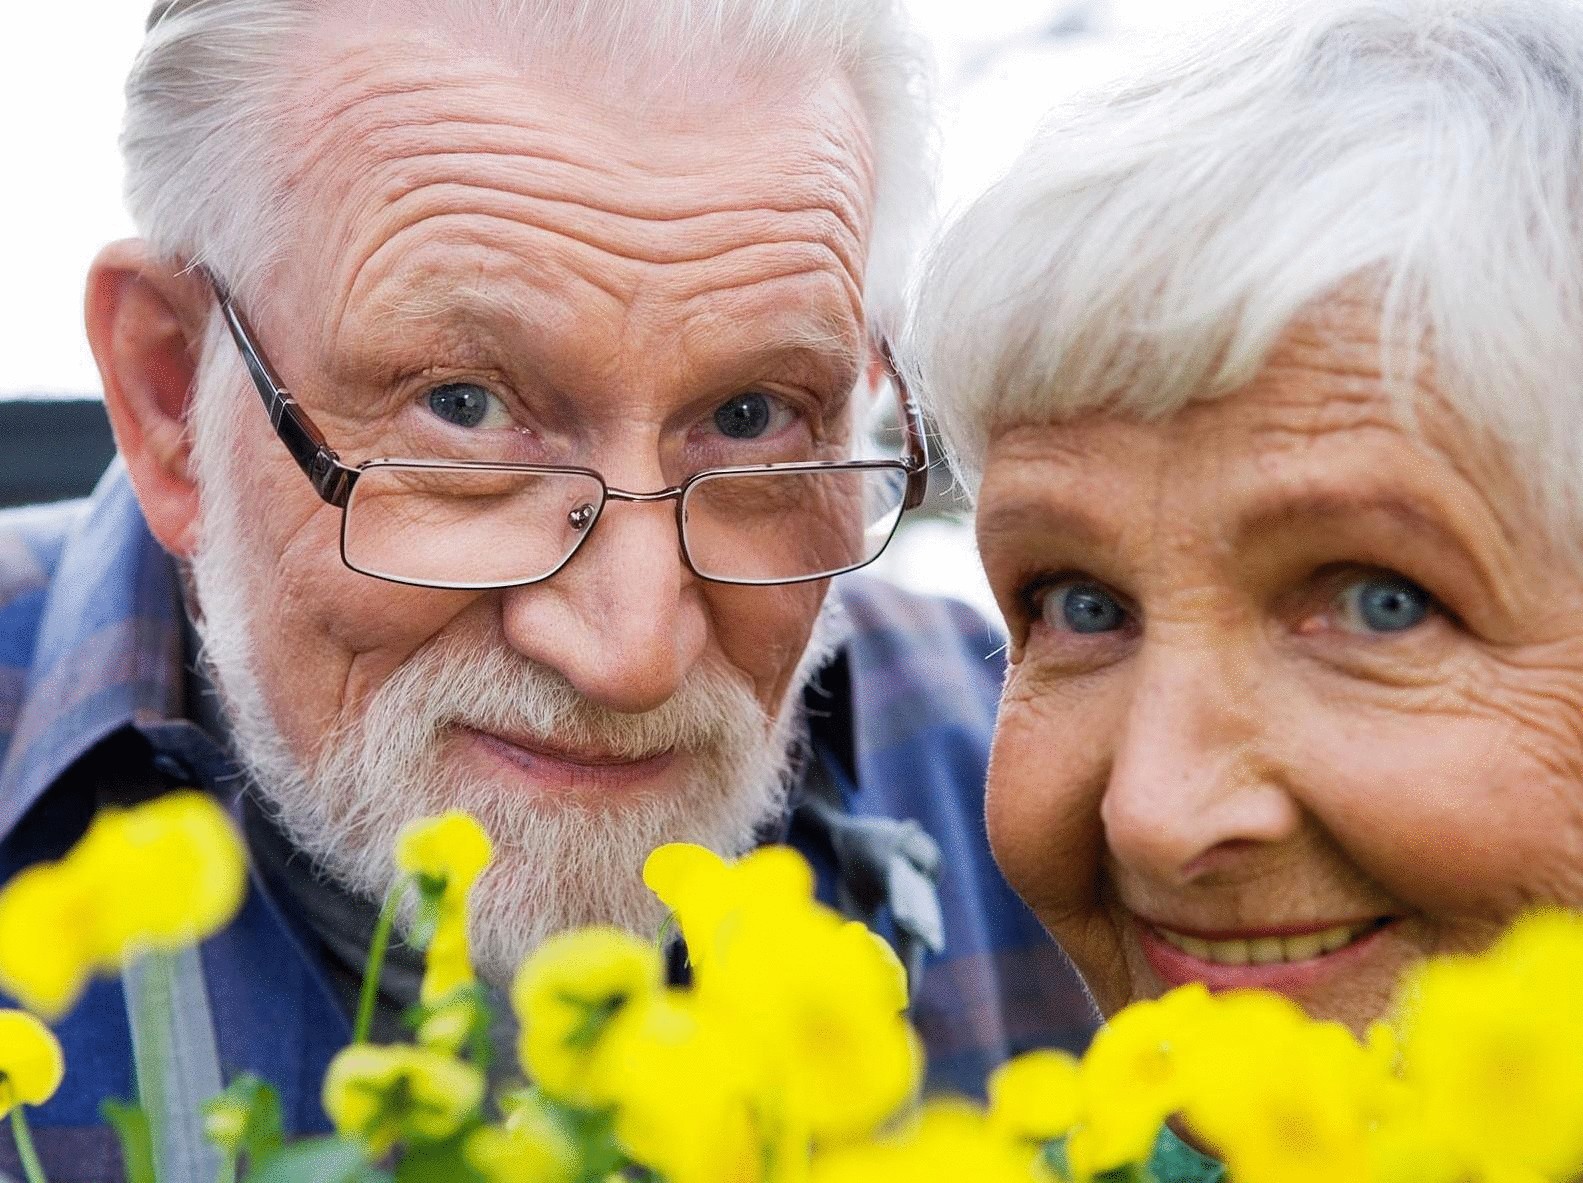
1317,436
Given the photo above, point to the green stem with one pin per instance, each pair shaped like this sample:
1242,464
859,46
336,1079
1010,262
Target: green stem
31,1167
376,962
227,1168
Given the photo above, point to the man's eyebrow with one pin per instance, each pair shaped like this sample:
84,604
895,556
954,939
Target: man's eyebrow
464,302
806,343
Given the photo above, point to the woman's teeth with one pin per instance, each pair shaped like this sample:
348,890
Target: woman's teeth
1269,950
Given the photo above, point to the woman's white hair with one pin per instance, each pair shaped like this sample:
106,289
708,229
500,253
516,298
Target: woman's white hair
208,134
1156,239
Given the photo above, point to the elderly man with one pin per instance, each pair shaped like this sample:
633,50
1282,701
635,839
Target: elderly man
588,269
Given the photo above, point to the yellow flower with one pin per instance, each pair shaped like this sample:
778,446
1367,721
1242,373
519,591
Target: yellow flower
707,894
387,1094
1493,1046
48,936
1404,1149
225,1123
825,998
31,1064
446,855
1281,1098
160,876
1035,1097
1132,1078
172,872
450,1026
949,1142
693,1102
566,995
451,849
448,961
531,1147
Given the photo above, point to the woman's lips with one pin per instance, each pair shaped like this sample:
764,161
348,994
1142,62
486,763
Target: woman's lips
563,770
1288,959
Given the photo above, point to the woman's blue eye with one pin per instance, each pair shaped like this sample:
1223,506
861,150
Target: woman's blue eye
1083,607
745,417
463,404
1384,604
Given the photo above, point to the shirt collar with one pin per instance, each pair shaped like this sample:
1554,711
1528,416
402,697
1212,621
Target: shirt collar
108,651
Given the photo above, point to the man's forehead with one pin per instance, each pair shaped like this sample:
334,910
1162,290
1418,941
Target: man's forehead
388,81
399,131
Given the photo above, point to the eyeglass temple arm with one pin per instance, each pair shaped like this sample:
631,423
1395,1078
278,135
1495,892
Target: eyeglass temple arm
331,479
917,443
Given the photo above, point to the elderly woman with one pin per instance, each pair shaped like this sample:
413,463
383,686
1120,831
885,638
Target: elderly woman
1267,372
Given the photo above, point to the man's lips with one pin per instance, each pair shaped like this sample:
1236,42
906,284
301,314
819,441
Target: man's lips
1288,958
570,768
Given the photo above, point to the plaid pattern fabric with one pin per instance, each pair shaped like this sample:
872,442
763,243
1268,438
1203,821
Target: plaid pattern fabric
91,646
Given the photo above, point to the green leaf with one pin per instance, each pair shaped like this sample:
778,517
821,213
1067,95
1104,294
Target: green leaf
426,918
130,1124
263,1133
320,1160
1138,1172
438,1162
595,1135
1135,1172
669,928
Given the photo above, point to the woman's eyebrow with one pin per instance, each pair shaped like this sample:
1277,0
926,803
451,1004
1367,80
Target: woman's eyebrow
1447,531
1032,514
1275,509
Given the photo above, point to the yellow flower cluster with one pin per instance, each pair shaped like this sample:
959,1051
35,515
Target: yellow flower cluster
788,1059
1477,1078
156,877
791,1036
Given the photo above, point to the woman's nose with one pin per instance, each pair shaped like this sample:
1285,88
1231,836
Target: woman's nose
1191,783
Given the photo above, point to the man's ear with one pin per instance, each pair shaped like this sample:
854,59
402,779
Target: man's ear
145,326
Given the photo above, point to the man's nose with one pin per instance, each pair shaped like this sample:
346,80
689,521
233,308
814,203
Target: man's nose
624,621
1191,785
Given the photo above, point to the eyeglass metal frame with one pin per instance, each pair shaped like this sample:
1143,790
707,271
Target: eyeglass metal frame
333,480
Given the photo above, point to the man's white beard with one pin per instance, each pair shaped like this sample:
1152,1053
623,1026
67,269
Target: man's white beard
559,862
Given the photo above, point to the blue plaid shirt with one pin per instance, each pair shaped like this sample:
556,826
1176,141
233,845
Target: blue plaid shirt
91,677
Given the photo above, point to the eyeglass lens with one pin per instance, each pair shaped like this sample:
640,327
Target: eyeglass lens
466,526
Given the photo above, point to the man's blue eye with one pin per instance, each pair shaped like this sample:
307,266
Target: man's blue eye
1385,604
463,404
744,417
1083,607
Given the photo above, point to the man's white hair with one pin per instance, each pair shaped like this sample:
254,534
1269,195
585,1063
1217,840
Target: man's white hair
1152,244
208,138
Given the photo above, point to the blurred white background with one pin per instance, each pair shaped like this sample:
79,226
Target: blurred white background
1001,64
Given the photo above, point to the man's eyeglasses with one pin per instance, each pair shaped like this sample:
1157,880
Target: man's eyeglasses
465,524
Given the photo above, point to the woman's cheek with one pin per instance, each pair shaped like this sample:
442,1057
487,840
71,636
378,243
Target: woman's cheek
1046,781
1454,808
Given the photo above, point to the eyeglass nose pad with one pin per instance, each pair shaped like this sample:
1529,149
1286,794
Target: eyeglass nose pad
581,517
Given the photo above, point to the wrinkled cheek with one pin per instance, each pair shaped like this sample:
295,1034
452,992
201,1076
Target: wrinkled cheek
328,637
763,632
1043,803
1450,815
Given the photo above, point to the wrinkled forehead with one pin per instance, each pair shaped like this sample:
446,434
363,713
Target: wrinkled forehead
402,124
1322,433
